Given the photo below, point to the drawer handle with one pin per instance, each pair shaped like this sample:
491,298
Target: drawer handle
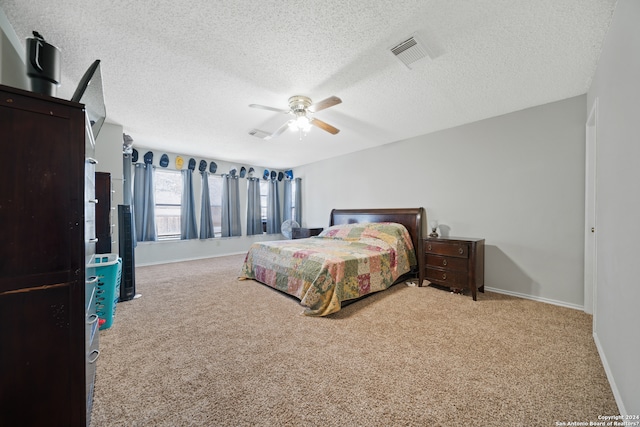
460,251
444,262
95,354
444,276
429,247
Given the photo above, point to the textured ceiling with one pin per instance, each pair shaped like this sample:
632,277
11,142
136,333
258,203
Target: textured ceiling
179,76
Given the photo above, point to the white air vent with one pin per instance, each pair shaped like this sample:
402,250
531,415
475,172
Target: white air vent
260,134
410,51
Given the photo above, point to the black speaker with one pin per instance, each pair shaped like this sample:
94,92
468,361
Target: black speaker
43,65
127,253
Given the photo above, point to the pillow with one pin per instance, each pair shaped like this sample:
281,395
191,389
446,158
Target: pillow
395,236
387,231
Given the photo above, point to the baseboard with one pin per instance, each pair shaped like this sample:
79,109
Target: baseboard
607,370
536,298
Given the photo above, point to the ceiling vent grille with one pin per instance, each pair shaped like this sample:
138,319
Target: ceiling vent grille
260,134
410,51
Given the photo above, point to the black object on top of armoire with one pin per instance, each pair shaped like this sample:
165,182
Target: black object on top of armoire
48,337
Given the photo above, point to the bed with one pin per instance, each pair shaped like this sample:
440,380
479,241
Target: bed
362,252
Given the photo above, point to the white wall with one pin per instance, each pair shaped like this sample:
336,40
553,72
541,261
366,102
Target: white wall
108,153
617,315
516,180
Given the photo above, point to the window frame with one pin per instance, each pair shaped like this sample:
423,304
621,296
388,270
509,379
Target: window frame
162,206
215,217
264,197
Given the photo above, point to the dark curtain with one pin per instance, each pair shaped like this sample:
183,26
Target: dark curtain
274,220
254,220
144,203
230,207
206,222
188,228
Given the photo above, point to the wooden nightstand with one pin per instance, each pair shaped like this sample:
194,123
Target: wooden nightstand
454,262
301,233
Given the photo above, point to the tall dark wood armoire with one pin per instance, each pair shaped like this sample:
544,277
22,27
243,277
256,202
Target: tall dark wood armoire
48,330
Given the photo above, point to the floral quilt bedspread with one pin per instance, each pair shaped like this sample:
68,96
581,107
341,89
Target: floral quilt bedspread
342,263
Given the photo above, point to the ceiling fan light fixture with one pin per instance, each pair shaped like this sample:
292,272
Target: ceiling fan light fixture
301,123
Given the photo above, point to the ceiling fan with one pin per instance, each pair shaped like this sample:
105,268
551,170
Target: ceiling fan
300,107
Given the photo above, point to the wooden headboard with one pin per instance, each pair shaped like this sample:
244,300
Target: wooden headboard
411,218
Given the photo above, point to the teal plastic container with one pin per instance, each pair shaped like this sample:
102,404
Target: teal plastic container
108,269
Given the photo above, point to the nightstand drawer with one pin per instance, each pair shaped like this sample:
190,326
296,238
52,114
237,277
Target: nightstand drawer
449,263
452,279
460,250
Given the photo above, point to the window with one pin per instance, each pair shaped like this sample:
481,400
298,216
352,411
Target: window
168,193
264,195
215,198
294,189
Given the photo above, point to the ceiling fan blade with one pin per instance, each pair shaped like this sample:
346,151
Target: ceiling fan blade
264,107
281,129
325,103
324,126
266,135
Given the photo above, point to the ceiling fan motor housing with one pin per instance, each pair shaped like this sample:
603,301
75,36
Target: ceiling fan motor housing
299,104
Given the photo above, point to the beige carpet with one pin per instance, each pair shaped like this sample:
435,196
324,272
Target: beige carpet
201,348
